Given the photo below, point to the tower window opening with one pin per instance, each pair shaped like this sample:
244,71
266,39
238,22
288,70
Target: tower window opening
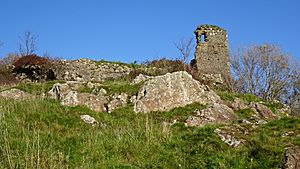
203,38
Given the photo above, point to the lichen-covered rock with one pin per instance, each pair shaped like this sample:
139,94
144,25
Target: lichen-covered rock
172,90
213,79
15,94
237,104
215,114
264,111
59,90
89,120
71,99
94,102
141,78
292,158
117,101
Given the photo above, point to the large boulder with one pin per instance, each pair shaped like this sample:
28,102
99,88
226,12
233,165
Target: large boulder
172,90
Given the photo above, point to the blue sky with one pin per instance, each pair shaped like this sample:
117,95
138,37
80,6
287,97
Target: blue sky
139,30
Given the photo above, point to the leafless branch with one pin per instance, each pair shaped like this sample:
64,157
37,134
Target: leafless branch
28,44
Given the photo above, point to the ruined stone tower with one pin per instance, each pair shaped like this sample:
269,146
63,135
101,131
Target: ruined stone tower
212,55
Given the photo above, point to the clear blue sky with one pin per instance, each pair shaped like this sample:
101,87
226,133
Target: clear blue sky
138,30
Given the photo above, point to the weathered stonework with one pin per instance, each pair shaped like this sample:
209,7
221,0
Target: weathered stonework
212,54
88,70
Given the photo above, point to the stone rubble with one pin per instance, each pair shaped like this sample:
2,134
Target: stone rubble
228,138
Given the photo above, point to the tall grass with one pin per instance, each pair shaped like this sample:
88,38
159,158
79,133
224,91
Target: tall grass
43,134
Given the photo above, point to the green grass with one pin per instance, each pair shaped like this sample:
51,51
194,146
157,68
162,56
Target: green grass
37,88
120,86
227,96
274,106
43,134
245,113
111,62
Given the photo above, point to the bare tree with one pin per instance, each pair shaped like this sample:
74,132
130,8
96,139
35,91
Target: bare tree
28,44
294,97
185,46
264,71
9,59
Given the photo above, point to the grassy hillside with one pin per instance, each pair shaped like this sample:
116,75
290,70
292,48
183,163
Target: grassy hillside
43,134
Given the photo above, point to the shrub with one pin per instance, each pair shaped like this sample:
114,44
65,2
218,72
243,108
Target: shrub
164,65
6,76
35,68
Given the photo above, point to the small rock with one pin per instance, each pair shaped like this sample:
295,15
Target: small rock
289,133
90,85
90,120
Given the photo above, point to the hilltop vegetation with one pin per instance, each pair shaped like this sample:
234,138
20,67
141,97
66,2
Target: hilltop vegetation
41,133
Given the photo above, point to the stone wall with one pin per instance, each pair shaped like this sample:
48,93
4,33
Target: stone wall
211,54
89,70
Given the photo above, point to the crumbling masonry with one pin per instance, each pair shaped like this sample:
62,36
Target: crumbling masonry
211,54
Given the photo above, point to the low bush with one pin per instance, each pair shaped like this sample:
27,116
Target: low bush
35,68
164,65
6,75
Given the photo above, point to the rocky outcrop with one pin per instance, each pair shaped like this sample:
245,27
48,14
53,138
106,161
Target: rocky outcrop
67,93
89,70
15,94
264,111
172,90
117,101
215,114
237,104
141,78
292,158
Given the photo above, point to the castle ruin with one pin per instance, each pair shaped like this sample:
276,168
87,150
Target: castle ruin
211,54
